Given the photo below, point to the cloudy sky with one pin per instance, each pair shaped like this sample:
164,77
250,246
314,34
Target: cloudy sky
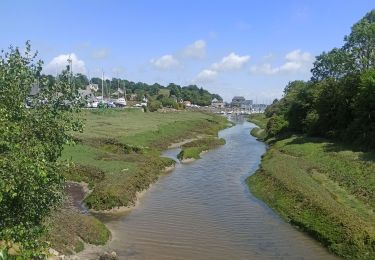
232,47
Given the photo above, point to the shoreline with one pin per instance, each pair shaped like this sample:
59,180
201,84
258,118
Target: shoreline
152,166
91,250
301,196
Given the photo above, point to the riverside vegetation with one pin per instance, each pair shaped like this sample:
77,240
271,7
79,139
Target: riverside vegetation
193,149
119,155
318,172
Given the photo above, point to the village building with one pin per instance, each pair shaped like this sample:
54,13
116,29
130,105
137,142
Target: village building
217,103
237,101
247,105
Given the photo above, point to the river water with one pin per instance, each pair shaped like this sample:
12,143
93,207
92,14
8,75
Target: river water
203,210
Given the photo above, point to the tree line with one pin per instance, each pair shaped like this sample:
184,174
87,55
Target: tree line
338,101
192,93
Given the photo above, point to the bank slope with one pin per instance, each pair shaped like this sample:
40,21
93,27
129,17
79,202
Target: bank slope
326,189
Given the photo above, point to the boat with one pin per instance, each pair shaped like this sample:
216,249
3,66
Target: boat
120,102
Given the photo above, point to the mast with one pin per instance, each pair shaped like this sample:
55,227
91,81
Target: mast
109,91
102,85
118,87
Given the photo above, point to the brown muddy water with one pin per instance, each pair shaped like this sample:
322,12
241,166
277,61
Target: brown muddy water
204,210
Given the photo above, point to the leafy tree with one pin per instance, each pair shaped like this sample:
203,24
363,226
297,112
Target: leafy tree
335,64
361,41
81,81
168,102
31,141
339,100
362,128
218,97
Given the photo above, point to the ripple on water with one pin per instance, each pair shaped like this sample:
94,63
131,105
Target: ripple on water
203,210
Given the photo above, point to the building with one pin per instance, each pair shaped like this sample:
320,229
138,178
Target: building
93,87
237,101
217,103
259,108
88,95
247,105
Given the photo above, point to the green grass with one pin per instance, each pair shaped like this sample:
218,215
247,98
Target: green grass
259,133
261,121
326,189
118,153
192,150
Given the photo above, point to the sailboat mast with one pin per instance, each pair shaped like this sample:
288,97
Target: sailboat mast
102,85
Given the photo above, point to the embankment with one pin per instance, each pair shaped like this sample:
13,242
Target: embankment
119,154
326,189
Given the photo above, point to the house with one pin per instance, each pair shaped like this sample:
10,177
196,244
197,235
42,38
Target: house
237,101
247,105
259,108
217,103
132,97
93,87
88,95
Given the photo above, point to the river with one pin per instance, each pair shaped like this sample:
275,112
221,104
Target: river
204,210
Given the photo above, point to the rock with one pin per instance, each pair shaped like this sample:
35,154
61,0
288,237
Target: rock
109,256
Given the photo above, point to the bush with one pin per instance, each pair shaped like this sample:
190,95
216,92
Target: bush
31,141
276,125
154,105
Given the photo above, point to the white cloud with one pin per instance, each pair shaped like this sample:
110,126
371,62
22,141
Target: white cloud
264,68
299,56
59,63
195,50
231,62
100,54
165,62
206,75
295,62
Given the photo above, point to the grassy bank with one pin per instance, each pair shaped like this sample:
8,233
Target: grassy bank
261,121
192,150
119,154
326,189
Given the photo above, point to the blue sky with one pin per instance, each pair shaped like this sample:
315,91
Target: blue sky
249,48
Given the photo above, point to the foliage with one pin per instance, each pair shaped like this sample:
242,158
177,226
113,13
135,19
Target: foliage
31,141
338,102
192,93
193,149
276,125
326,189
154,105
